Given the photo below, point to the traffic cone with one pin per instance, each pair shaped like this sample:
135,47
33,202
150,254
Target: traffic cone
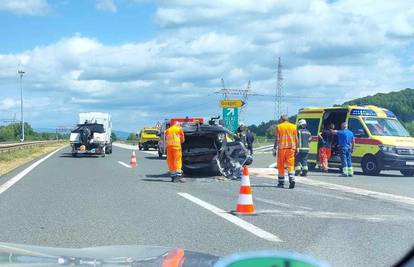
245,201
133,161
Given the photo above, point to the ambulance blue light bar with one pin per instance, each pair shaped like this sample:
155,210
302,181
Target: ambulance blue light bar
363,112
389,113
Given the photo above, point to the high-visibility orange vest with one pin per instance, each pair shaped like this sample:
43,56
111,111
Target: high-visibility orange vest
174,136
286,135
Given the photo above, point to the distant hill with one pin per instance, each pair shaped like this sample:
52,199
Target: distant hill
400,102
121,134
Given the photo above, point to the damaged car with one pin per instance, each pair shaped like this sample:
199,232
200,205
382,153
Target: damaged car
211,148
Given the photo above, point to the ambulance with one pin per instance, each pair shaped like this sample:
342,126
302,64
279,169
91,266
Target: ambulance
381,141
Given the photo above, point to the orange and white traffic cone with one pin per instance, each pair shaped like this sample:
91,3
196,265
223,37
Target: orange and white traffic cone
133,161
245,201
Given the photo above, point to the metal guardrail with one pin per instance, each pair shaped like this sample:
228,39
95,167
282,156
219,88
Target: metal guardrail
17,146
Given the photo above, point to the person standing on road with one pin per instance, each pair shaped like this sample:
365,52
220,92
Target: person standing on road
174,136
250,141
241,133
286,146
325,146
346,143
301,159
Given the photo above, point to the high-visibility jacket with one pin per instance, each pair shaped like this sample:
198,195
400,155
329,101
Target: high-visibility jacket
286,135
304,138
174,136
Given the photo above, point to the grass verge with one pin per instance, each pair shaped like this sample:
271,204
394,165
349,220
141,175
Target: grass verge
11,160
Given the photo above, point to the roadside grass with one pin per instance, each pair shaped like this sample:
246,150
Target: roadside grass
11,160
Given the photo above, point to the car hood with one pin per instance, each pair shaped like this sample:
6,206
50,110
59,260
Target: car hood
103,256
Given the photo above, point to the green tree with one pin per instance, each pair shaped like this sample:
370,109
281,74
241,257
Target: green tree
132,137
113,136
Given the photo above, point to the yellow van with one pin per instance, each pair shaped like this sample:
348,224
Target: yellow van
148,138
381,141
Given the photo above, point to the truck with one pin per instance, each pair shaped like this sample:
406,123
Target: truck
92,134
148,138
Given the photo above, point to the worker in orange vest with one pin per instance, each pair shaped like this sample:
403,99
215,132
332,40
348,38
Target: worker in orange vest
286,147
174,137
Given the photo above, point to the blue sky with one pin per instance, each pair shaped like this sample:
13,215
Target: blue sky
144,61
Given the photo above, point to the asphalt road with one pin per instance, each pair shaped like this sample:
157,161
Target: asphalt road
93,201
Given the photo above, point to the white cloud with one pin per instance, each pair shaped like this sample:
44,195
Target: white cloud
8,103
106,5
331,52
26,7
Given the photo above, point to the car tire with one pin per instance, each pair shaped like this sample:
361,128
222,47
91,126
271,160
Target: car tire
159,154
74,154
370,165
146,148
407,173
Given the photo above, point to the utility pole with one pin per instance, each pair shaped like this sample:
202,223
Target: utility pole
279,91
21,103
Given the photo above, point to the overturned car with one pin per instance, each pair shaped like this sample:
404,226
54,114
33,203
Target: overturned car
211,148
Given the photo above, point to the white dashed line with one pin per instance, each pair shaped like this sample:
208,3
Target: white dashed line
233,219
124,164
23,173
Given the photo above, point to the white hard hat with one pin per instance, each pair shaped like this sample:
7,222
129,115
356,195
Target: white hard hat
302,122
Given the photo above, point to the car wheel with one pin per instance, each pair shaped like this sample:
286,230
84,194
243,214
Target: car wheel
370,166
407,173
74,154
145,148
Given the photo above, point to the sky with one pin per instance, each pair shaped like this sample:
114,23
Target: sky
144,61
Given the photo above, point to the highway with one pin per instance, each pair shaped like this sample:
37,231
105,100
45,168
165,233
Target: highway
94,201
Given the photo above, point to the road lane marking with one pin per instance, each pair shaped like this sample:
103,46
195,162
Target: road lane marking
280,204
333,215
20,175
151,152
124,164
131,147
233,219
270,173
315,193
125,146
273,165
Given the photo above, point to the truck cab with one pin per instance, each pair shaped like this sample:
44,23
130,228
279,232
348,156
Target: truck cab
381,141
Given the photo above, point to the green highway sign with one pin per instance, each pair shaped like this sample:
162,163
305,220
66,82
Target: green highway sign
231,118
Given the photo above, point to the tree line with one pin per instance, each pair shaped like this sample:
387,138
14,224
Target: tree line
13,132
401,103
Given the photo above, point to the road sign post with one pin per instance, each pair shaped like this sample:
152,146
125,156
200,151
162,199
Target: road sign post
231,118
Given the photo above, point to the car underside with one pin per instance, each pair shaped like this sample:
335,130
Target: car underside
213,149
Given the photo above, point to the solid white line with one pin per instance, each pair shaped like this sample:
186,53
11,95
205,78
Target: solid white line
334,215
358,191
151,152
125,146
271,173
124,164
20,175
231,218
